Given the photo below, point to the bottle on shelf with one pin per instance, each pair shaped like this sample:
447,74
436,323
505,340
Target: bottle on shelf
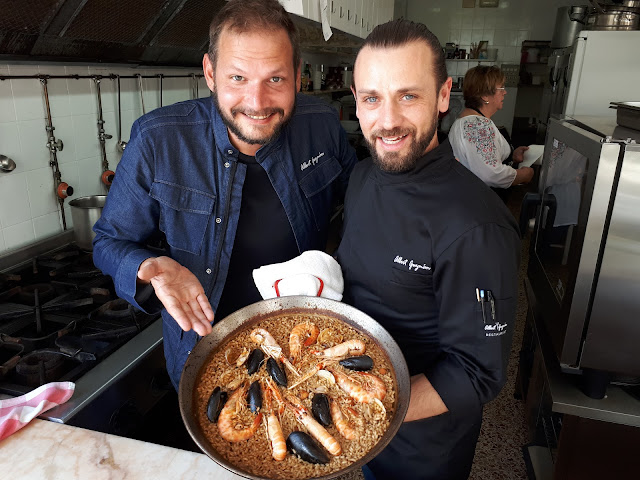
305,78
319,78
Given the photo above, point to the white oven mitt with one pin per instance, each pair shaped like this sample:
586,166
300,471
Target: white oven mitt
313,273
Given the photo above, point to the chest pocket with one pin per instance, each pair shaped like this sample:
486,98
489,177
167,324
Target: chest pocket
409,292
315,185
184,215
412,280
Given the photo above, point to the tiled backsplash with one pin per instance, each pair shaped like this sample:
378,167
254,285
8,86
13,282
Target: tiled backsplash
504,27
28,206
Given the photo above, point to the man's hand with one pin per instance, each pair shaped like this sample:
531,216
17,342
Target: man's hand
180,292
518,154
424,401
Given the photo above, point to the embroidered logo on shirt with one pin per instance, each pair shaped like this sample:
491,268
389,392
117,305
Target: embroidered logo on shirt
410,264
495,330
312,161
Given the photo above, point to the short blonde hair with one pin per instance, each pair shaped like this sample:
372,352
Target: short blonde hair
479,81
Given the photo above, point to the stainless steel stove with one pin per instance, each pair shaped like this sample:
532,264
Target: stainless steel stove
60,320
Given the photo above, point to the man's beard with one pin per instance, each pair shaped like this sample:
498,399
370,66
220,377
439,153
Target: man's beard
396,162
234,127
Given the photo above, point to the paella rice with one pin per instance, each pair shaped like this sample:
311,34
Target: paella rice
226,368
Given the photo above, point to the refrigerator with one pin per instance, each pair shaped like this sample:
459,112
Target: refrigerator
598,68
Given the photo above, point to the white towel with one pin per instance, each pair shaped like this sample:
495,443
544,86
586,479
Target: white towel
309,273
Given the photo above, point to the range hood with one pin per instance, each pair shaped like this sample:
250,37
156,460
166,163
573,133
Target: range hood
147,32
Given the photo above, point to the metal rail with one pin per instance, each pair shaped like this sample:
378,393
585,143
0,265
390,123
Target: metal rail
111,76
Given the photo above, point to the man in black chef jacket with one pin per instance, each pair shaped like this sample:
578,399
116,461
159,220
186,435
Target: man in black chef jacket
430,252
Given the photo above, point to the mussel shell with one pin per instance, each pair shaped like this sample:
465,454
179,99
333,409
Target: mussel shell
254,397
254,362
214,406
361,363
320,409
306,448
277,372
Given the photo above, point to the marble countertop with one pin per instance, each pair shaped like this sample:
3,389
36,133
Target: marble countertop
54,451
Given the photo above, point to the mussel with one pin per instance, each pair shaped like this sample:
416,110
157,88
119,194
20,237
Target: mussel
254,397
306,448
216,401
361,363
254,362
320,409
277,372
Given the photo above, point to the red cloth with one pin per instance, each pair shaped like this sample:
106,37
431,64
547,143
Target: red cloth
16,412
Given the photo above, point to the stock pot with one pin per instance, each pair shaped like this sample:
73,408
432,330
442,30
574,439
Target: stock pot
85,212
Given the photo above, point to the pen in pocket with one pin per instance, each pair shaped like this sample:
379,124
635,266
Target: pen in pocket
480,297
493,305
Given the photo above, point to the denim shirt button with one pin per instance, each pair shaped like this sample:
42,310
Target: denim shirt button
208,270
227,164
230,152
218,220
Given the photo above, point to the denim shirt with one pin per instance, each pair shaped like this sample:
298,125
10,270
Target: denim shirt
179,176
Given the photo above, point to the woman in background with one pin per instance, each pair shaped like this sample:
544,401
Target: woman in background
476,141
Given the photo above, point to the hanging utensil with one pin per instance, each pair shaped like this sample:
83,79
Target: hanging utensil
161,76
63,190
107,174
144,110
121,144
6,164
194,87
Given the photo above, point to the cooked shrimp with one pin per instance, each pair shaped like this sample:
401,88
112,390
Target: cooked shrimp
350,347
361,386
341,423
228,416
316,430
305,333
269,346
274,430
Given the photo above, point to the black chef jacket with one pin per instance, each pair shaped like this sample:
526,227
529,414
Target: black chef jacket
415,247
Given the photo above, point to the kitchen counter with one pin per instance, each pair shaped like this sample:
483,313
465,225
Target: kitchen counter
54,451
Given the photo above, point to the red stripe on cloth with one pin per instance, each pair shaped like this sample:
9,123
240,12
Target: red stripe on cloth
15,413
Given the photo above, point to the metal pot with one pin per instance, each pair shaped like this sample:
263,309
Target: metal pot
612,17
85,212
256,312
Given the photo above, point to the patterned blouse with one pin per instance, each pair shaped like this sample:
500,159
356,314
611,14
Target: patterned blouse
479,146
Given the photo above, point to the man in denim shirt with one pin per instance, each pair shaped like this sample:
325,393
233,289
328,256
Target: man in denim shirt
245,178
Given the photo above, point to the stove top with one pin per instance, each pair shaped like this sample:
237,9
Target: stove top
60,320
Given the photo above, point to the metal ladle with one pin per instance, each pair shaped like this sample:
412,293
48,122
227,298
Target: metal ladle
6,164
121,143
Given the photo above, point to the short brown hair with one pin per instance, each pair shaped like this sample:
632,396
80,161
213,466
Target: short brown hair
399,32
479,81
253,15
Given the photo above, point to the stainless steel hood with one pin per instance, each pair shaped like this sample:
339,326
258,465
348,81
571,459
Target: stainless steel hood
147,32
154,32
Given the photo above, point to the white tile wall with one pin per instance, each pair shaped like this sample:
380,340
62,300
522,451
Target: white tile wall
29,209
505,27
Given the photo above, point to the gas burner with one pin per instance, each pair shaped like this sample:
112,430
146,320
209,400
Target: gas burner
44,291
40,367
117,308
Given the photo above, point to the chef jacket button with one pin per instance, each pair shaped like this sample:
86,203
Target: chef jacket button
218,220
227,164
208,270
230,152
